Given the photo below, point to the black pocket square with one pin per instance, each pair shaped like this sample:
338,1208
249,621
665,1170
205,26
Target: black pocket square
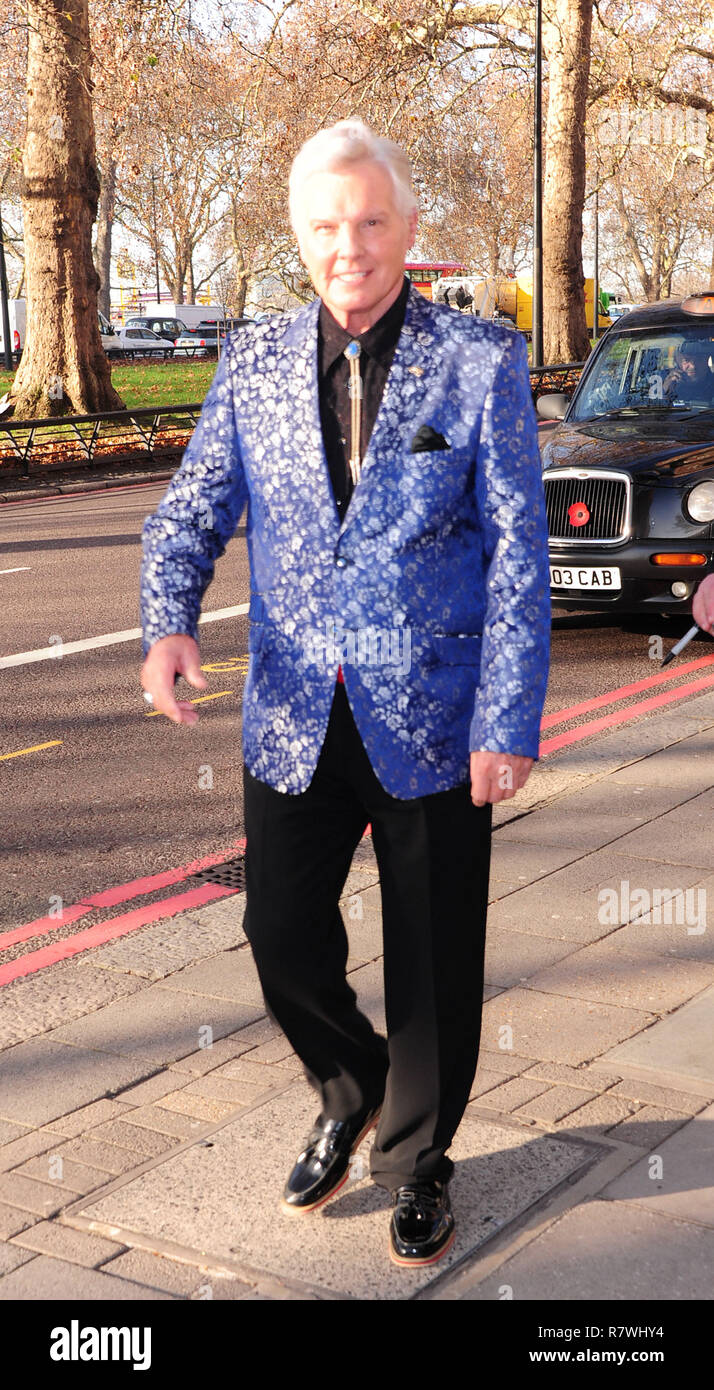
427,438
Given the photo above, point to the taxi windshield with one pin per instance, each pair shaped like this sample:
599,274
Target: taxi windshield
651,370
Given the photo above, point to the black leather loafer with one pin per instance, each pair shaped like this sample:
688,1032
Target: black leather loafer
322,1167
422,1224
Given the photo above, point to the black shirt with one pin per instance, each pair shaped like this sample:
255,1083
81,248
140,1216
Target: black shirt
378,346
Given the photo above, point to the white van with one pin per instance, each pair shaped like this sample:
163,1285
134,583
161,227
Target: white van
16,314
17,310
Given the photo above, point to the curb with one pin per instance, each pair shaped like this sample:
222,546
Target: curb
95,485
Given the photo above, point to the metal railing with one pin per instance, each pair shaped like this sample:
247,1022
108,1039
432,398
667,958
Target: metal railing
157,436
117,437
563,376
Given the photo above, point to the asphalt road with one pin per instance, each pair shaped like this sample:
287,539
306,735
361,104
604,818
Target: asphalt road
119,793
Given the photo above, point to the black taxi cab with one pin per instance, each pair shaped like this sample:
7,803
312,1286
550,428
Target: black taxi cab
628,470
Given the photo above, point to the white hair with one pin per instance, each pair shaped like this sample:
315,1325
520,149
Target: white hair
350,142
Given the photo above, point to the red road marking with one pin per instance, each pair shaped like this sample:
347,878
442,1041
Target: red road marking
111,897
108,931
560,716
593,726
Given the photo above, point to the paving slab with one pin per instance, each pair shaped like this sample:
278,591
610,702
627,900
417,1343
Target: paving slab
649,1128
687,765
643,739
550,909
69,990
158,1272
49,1280
512,957
682,1185
74,1177
158,1025
13,1219
37,1141
32,1195
682,836
678,1050
192,1200
11,1257
557,824
79,1247
41,1080
230,976
649,1094
524,863
606,1252
10,1131
552,1028
598,1115
609,974
161,948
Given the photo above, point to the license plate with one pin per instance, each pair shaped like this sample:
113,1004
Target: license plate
572,577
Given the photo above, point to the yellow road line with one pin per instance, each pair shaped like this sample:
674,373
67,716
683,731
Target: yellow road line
36,747
201,700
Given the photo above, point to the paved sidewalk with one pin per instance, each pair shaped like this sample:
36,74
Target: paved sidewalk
149,1110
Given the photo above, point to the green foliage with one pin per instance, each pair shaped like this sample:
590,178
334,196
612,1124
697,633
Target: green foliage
155,383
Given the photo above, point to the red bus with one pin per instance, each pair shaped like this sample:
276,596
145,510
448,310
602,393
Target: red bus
423,273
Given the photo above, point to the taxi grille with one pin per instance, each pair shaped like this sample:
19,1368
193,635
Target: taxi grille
605,499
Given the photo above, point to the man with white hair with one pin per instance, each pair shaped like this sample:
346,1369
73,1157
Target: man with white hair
386,451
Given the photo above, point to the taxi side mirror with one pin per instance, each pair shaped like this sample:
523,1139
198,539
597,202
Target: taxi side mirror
552,405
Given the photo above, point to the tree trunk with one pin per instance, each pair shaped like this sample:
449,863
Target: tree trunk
630,239
241,283
105,224
241,274
566,39
191,285
64,369
711,270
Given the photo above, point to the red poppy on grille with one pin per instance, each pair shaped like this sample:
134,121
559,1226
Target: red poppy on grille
578,514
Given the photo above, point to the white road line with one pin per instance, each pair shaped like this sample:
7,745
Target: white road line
107,640
16,569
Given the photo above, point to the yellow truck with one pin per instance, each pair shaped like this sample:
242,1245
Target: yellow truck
515,299
512,298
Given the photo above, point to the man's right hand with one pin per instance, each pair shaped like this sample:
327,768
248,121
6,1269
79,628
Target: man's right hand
177,655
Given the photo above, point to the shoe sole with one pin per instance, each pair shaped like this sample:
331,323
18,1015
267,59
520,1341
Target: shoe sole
405,1263
290,1210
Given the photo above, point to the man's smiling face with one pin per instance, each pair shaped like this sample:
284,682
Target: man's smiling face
353,238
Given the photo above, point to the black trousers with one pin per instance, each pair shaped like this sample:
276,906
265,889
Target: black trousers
433,855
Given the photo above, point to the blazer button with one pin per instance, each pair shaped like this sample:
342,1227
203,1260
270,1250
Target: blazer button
341,562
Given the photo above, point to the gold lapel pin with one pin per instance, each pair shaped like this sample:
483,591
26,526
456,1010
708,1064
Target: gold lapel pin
416,371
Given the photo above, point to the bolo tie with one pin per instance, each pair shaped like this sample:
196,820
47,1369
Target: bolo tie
352,353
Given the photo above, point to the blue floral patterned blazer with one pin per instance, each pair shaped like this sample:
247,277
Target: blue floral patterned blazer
432,592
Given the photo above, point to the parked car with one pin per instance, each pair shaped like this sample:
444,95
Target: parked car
165,327
629,470
203,340
141,342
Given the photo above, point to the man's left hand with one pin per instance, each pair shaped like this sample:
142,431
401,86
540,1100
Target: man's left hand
497,776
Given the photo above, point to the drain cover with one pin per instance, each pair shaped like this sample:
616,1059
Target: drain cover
230,874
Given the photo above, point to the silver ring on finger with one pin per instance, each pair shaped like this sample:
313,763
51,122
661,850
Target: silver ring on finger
148,697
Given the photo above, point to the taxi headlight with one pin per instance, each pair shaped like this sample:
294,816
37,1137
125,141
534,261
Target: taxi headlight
700,502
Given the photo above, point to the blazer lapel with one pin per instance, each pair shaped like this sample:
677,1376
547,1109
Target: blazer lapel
309,475
410,377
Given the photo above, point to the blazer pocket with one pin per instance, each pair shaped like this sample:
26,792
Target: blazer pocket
427,440
455,650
